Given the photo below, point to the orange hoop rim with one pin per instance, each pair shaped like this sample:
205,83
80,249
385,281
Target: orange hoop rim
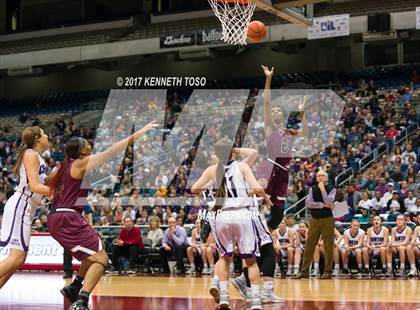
235,1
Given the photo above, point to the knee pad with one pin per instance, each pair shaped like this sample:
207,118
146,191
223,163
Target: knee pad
268,257
277,214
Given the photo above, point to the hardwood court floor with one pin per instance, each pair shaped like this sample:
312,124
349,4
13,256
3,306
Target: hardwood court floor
41,291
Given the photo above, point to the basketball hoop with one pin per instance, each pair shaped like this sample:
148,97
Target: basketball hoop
235,16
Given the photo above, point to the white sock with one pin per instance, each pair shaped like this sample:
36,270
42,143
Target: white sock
316,266
268,285
255,290
359,266
389,266
215,279
346,266
290,267
297,267
337,267
224,287
367,266
192,266
413,267
383,266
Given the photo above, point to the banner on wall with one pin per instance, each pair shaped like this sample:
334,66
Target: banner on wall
43,250
329,27
209,36
418,17
177,40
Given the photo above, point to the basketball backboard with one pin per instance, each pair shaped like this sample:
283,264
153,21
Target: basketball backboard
298,12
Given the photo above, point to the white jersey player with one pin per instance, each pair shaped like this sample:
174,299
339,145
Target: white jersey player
353,243
20,208
233,226
376,243
400,239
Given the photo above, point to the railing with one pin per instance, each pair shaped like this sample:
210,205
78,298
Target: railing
403,136
347,174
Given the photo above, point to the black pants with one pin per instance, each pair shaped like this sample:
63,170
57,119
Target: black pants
131,251
67,264
179,252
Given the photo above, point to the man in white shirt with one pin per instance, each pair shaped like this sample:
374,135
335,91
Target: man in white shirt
388,195
378,202
410,202
407,153
394,202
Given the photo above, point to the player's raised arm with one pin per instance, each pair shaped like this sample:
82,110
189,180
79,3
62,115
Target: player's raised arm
202,182
93,161
268,120
247,155
253,183
304,131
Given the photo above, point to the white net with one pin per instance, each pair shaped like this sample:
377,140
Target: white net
235,16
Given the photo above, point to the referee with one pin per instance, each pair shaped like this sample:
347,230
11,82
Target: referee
320,202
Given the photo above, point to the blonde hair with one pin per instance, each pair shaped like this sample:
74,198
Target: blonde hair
29,139
154,219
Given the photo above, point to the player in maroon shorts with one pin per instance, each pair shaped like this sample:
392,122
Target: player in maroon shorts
279,146
66,223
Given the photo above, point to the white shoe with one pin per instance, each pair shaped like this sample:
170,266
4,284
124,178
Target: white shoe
214,290
314,273
289,272
269,297
205,271
224,302
412,273
190,271
256,304
248,294
336,272
240,284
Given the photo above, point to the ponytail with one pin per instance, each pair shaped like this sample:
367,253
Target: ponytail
29,136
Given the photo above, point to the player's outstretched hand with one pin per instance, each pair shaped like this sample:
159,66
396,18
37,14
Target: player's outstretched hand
268,72
150,126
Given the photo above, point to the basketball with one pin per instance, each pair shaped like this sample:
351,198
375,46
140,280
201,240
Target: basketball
256,31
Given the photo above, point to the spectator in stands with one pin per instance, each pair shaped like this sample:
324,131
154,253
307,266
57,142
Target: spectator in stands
352,197
382,187
174,244
155,234
143,218
397,176
366,202
388,195
410,202
128,244
129,211
395,202
39,227
391,134
116,201
378,203
107,212
291,223
408,153
403,190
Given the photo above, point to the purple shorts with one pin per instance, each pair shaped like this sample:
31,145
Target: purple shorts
74,234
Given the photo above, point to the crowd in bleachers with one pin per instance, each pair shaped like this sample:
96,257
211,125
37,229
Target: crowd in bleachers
372,117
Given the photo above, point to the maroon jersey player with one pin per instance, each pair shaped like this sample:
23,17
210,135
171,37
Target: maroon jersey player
279,145
65,221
